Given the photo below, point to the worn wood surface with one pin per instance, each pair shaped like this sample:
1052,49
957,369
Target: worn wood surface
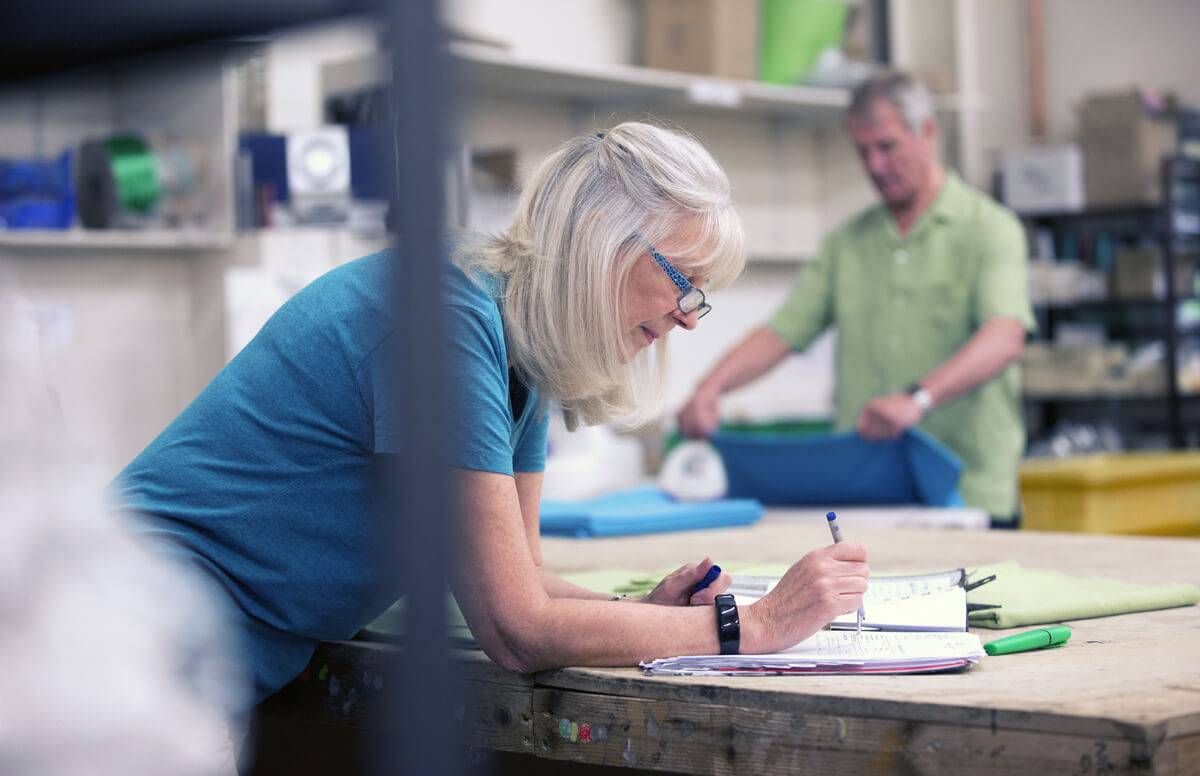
1122,697
710,738
1130,685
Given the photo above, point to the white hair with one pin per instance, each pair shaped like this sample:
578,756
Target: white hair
908,95
586,214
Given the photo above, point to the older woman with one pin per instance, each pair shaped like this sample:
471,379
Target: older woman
265,484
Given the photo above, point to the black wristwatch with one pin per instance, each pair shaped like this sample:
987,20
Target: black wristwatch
729,627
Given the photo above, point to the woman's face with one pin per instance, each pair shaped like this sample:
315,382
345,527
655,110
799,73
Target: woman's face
652,303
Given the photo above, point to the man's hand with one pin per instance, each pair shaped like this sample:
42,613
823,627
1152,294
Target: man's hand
886,417
700,417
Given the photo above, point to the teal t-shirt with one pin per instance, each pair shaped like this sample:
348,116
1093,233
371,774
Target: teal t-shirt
267,481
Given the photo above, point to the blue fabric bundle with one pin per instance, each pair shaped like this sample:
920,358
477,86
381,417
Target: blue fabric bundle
642,510
838,469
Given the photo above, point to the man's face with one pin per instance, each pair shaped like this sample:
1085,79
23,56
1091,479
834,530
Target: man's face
898,161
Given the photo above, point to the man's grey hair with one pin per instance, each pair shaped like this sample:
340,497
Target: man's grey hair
907,94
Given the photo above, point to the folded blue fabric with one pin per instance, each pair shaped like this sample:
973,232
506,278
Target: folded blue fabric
642,510
840,469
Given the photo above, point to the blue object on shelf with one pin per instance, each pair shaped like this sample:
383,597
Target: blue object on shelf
37,193
268,155
840,469
643,510
372,165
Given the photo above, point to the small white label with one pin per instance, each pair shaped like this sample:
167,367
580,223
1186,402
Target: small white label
719,93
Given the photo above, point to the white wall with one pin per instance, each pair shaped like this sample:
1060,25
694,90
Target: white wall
293,69
592,31
1103,45
49,115
127,341
922,36
992,78
802,386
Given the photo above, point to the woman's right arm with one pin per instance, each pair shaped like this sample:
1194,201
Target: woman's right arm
499,588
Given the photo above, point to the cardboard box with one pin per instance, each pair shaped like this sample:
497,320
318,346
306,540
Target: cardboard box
1123,146
709,37
1044,179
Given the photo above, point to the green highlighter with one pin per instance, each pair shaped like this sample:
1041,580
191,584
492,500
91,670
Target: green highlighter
1023,642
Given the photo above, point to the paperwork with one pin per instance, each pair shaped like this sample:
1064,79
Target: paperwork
925,602
838,652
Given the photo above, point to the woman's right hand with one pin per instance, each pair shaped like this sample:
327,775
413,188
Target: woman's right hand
821,586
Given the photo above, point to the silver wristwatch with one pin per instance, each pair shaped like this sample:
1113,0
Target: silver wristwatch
921,397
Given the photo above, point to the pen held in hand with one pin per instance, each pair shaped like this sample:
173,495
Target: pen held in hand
836,530
714,571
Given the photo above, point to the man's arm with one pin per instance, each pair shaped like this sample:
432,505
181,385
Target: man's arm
753,357
806,312
996,344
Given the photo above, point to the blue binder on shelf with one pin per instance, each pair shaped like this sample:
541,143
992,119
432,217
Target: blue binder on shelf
642,510
840,469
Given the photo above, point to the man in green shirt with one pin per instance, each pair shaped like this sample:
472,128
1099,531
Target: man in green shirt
928,293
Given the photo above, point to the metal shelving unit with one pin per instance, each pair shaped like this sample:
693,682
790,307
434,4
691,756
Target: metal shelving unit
1175,226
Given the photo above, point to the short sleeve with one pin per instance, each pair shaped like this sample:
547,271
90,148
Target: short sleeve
480,430
1003,287
529,453
808,309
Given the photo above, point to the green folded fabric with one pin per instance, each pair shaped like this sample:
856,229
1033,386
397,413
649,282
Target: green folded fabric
1035,596
1025,596
633,583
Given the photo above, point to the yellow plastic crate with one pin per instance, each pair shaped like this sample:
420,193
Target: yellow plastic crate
1126,493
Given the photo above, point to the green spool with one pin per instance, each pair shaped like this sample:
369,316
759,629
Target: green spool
134,171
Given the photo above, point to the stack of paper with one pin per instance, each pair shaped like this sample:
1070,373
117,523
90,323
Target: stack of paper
925,602
838,652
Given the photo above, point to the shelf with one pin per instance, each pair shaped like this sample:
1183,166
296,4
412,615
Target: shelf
491,71
1129,211
1092,398
115,239
1100,305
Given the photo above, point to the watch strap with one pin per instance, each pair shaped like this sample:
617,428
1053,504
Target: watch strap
729,626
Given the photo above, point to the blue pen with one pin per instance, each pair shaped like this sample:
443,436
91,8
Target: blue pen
836,530
714,571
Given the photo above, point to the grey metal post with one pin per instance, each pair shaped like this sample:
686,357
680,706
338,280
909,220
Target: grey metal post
421,735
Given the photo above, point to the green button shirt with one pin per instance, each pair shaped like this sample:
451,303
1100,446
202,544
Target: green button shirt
904,305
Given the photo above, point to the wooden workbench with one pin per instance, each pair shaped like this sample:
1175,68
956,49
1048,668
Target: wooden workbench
1122,697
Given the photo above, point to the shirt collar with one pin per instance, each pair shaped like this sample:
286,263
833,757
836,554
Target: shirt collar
947,205
945,208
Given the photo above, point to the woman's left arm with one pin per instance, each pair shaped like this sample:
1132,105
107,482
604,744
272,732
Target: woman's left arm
673,590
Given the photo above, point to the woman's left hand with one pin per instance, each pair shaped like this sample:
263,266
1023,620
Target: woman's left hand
675,589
